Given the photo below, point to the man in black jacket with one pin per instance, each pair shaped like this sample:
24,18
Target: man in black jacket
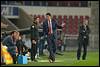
34,38
83,39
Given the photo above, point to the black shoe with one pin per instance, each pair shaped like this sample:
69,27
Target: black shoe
83,59
78,58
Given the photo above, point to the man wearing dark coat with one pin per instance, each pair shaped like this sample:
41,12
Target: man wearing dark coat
34,38
83,40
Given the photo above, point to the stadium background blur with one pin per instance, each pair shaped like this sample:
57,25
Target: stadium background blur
17,15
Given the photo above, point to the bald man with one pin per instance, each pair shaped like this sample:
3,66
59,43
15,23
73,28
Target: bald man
83,39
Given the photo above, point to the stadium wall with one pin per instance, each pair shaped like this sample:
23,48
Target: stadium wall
54,10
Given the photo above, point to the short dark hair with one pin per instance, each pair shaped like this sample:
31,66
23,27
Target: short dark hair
12,32
48,14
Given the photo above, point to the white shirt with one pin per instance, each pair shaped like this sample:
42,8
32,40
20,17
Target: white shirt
50,25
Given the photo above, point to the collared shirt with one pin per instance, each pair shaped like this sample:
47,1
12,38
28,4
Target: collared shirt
50,25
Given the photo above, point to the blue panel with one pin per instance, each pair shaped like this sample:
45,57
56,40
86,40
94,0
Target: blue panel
22,59
15,11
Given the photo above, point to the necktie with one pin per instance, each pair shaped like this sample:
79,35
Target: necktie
49,27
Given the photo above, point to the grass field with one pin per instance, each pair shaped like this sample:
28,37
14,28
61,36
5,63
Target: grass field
68,59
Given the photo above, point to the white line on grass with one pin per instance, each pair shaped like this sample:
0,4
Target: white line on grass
48,60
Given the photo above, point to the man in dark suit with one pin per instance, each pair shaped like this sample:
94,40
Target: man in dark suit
83,39
49,29
34,38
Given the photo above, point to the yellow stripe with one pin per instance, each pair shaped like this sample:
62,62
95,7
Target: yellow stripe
7,56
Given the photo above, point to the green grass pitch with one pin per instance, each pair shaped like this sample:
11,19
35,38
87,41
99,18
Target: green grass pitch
68,59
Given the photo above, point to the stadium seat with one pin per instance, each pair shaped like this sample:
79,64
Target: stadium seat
65,18
60,19
70,25
81,19
87,17
65,21
42,18
75,29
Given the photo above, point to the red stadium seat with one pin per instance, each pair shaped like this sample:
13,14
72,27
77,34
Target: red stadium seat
65,18
65,21
60,19
87,17
81,19
75,25
42,18
70,25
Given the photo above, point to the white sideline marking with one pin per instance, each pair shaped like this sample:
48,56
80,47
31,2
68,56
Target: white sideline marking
47,61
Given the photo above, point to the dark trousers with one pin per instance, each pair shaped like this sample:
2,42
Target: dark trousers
65,47
51,47
41,46
80,45
14,58
59,48
33,51
20,49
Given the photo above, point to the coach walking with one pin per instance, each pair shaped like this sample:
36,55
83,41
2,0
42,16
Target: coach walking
83,39
49,29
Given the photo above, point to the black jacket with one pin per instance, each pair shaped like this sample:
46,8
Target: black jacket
84,34
34,32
